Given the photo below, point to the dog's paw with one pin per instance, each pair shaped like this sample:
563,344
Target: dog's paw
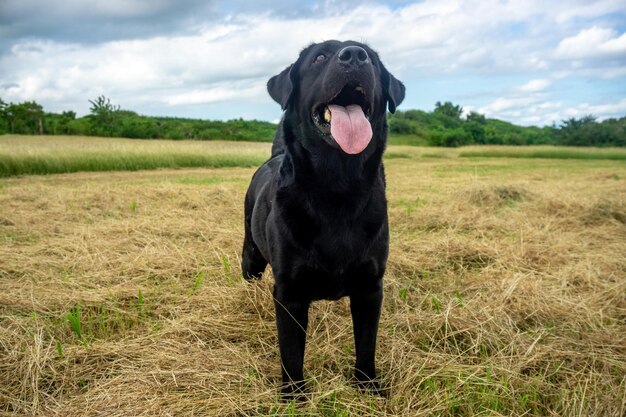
370,385
373,388
293,391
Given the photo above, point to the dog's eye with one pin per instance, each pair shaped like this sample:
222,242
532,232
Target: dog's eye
319,58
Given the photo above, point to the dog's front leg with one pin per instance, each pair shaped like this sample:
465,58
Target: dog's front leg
292,318
365,308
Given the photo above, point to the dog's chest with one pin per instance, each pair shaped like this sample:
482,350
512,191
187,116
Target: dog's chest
331,234
340,242
327,277
333,245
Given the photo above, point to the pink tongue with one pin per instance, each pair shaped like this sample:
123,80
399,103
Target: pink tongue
349,127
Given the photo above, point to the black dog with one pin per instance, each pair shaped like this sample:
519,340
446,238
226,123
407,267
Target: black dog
316,211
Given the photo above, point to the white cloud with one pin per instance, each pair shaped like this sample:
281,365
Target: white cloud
560,112
535,85
114,8
521,102
585,9
616,109
502,104
217,93
592,42
535,111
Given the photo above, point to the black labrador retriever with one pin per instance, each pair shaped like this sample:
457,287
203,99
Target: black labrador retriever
316,210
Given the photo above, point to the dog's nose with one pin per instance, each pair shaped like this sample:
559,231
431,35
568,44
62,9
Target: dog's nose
353,55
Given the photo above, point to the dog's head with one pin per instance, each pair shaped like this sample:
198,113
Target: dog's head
339,91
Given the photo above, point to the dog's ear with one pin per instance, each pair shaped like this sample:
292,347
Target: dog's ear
393,89
281,86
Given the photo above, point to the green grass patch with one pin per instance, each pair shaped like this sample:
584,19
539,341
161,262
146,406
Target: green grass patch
207,180
546,153
22,155
114,318
411,140
397,155
436,155
13,237
11,165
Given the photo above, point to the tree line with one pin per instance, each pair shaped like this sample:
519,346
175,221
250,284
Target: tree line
108,120
444,126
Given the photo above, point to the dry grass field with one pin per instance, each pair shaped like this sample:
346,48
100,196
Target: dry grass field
120,295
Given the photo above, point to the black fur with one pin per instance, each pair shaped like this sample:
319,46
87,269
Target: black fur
317,214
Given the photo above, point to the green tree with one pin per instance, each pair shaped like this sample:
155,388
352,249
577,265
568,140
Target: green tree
611,132
59,124
4,123
25,118
475,127
448,109
448,114
577,132
103,116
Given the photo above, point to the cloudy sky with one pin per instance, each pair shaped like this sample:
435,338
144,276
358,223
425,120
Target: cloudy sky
525,61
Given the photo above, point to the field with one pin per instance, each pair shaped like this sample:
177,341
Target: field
52,155
120,292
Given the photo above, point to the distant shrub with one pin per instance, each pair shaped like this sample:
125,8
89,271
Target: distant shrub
450,138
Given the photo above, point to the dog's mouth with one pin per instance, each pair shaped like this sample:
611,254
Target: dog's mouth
346,118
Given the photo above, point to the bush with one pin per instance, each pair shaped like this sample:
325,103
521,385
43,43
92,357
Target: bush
450,138
401,126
